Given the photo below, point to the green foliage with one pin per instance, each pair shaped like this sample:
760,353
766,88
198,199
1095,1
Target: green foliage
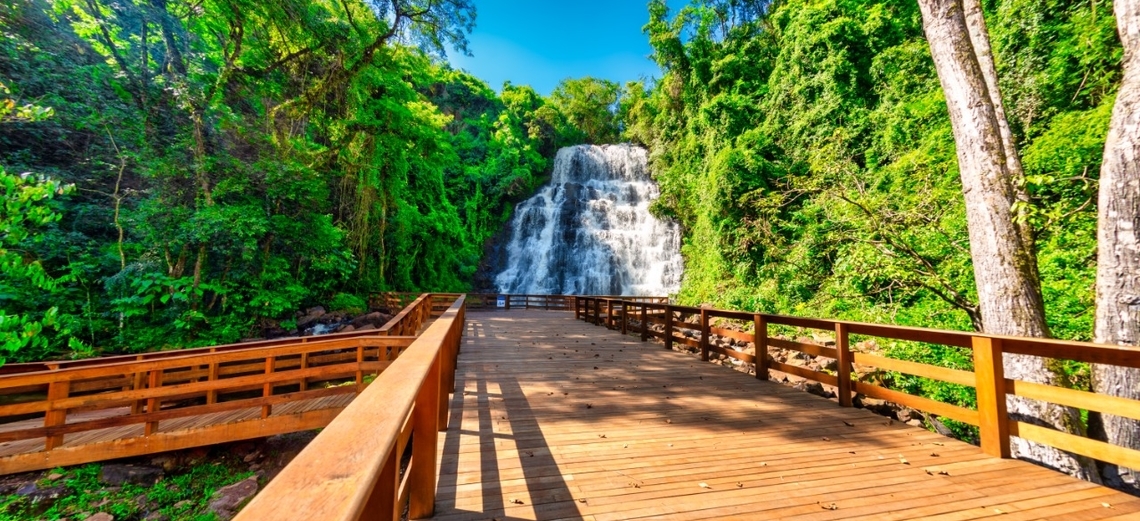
590,106
806,149
239,164
182,495
348,303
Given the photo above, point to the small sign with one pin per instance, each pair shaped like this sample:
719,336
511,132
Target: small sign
502,301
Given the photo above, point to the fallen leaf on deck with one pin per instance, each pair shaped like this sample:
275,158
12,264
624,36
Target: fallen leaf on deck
517,501
903,460
829,506
825,438
704,485
739,485
847,423
934,454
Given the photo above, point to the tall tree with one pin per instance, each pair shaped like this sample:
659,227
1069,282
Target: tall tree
1009,292
1118,258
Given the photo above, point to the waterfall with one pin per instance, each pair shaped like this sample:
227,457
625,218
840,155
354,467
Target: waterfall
589,232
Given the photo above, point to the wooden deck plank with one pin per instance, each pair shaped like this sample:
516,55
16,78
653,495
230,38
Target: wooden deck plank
554,418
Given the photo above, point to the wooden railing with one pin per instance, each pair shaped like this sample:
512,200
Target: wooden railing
695,327
352,470
187,387
410,318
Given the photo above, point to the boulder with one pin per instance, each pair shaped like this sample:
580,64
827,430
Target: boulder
815,388
116,474
311,316
227,500
43,497
939,427
101,516
375,318
347,328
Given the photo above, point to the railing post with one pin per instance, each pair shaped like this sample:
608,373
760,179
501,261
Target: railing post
267,388
624,319
668,327
152,404
760,341
597,311
993,424
137,405
57,390
644,323
577,309
704,335
382,502
212,395
508,298
609,314
305,365
425,439
843,351
359,368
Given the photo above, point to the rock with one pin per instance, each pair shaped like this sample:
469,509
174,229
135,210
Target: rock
36,495
251,456
101,516
904,415
181,504
366,327
939,427
875,405
116,474
54,476
156,516
916,423
815,388
311,316
829,364
347,328
227,500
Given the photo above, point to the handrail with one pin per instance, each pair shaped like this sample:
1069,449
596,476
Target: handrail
987,377
351,470
406,322
179,384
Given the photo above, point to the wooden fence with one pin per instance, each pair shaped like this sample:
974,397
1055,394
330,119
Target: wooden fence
378,457
154,402
694,327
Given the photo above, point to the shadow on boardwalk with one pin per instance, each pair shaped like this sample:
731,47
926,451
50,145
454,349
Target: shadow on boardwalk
557,419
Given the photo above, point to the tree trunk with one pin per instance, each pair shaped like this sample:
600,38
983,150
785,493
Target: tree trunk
1118,257
980,39
1009,293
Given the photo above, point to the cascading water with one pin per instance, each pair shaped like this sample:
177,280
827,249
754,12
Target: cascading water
589,232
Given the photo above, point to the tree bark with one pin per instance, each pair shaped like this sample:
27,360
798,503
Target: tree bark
980,39
1118,255
1009,292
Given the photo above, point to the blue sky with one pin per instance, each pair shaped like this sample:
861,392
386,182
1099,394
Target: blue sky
541,42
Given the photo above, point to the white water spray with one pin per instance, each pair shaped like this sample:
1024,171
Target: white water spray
589,232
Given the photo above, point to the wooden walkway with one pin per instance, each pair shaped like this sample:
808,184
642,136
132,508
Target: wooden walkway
557,419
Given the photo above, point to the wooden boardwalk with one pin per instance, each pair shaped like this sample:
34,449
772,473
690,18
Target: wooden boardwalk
557,419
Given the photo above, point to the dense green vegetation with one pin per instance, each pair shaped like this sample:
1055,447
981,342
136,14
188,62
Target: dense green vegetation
200,170
809,153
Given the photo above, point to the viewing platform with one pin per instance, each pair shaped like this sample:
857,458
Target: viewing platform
554,419
553,407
